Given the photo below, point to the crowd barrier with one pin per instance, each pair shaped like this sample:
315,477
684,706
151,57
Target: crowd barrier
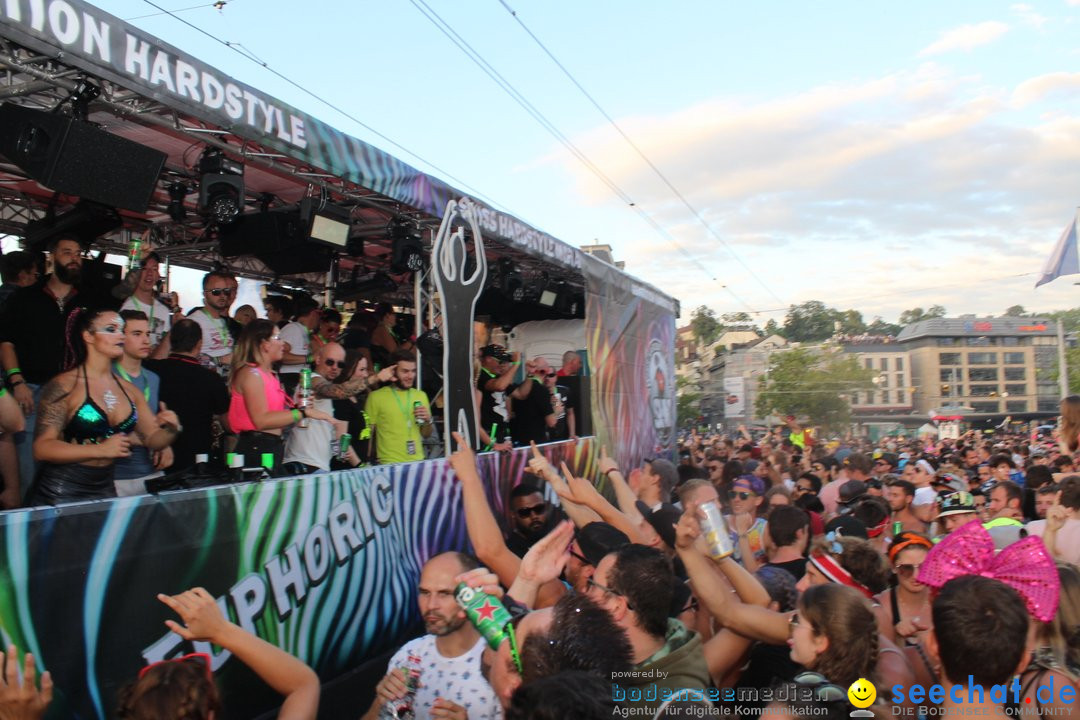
324,566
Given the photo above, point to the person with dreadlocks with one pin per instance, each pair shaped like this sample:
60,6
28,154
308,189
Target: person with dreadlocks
89,417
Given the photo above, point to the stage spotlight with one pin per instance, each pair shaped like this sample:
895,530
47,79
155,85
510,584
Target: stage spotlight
510,281
407,253
177,193
221,189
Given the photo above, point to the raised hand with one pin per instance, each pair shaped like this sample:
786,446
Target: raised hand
547,557
387,374
199,612
688,529
167,417
463,460
483,579
22,701
605,462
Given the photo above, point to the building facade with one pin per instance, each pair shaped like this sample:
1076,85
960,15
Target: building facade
985,366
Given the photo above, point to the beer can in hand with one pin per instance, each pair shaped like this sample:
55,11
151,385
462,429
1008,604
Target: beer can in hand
485,612
717,536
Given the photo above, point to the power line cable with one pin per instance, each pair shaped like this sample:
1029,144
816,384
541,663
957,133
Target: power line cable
159,14
435,19
235,47
663,178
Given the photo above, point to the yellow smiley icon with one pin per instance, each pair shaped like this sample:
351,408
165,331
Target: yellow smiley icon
862,693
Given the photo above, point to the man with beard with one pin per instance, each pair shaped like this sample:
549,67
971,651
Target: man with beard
219,331
32,335
400,414
533,518
448,657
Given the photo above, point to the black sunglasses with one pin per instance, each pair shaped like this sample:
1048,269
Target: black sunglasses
741,495
534,510
220,291
334,363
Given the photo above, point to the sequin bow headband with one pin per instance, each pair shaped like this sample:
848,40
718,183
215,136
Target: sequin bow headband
1025,566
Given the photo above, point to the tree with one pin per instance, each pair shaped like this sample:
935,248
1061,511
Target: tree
880,327
771,328
687,403
738,321
1069,318
1016,311
706,326
914,315
809,322
812,385
851,322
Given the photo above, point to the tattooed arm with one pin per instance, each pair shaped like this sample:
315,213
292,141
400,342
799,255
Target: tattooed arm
52,418
325,389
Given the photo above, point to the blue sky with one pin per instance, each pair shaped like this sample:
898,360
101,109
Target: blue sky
869,155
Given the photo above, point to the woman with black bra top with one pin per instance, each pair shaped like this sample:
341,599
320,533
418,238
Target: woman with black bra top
89,417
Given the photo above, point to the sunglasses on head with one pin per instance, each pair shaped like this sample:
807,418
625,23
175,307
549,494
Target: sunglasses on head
220,291
533,510
200,659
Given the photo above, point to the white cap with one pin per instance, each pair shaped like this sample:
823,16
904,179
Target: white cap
924,496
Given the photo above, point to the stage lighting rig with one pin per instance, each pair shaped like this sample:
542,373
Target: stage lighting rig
177,192
511,282
221,188
407,251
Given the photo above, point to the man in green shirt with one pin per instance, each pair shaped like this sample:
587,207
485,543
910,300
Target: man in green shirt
400,414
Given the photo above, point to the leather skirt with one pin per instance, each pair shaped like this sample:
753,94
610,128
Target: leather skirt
70,482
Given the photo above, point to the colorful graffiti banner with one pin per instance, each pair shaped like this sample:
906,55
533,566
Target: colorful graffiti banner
631,339
324,566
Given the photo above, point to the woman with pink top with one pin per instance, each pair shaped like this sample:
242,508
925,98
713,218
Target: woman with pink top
259,409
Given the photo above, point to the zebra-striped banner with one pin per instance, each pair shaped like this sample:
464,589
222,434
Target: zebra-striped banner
324,566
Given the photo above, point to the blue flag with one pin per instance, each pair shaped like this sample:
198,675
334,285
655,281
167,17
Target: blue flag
1065,260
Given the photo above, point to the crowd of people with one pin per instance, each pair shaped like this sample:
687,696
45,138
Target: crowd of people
106,390
780,575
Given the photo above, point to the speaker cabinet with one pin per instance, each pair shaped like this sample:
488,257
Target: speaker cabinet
77,158
277,238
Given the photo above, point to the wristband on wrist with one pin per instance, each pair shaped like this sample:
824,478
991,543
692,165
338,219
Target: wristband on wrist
14,371
609,471
295,415
3,392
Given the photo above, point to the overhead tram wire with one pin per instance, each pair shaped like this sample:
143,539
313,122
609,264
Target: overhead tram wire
159,14
696,213
509,89
235,47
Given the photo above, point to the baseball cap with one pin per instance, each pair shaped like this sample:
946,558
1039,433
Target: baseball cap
662,519
956,503
850,491
597,539
496,351
750,482
950,481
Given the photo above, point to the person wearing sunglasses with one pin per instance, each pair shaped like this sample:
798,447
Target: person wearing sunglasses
531,517
183,688
747,497
311,449
904,609
219,331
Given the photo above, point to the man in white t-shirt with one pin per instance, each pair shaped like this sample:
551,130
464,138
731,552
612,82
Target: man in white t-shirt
213,317
310,449
448,657
145,301
297,338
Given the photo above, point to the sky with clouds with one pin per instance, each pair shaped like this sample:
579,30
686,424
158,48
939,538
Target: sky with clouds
868,155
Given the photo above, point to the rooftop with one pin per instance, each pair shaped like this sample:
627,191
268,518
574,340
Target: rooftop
977,327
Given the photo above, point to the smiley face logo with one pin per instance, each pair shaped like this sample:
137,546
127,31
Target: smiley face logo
862,693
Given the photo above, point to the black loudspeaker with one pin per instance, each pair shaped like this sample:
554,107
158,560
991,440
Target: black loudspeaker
277,238
76,158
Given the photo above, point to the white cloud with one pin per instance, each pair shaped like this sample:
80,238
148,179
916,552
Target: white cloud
1028,15
1035,89
910,189
966,37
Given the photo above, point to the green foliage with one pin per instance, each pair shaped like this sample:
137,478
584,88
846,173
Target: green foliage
706,326
1069,318
1072,361
771,328
914,315
880,327
1016,311
809,322
815,386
